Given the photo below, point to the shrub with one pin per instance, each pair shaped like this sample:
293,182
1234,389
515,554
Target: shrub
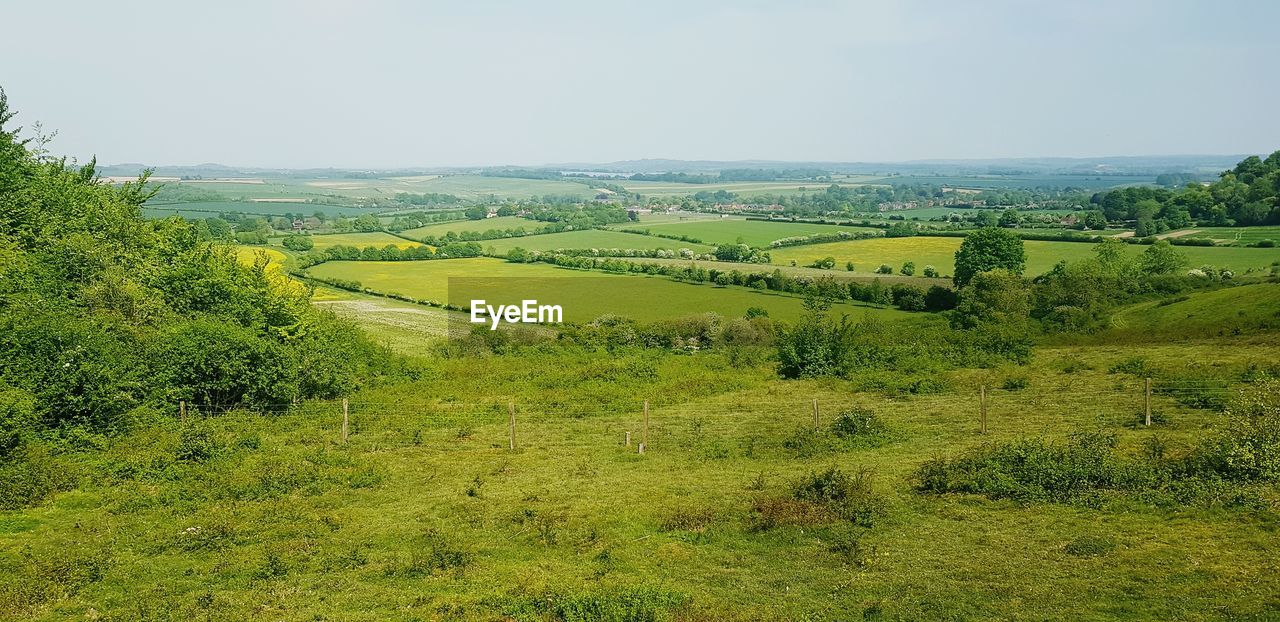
884,269
908,268
1249,447
1015,383
848,496
931,272
857,422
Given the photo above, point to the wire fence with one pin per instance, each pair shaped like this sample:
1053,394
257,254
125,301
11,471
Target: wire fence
511,423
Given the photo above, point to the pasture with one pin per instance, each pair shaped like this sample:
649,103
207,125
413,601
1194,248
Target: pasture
359,240
756,233
205,209
590,238
743,188
475,226
867,255
1239,235
584,295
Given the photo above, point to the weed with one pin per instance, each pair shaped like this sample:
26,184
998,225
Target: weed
857,422
689,519
849,496
1089,546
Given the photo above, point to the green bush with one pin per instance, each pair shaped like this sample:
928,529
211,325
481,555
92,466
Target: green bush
857,422
850,497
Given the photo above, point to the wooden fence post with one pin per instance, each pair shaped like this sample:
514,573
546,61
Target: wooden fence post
1148,402
628,438
182,410
511,412
346,418
644,434
816,423
982,397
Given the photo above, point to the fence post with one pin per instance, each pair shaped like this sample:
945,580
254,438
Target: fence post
345,420
182,410
982,397
644,433
816,423
628,438
1148,402
511,412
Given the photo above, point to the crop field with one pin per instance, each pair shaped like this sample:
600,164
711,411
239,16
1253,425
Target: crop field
838,273
480,187
756,233
206,209
939,252
1087,182
745,188
358,240
1242,235
477,226
583,295
589,238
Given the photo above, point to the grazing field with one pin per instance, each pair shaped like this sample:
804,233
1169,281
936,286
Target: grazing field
481,187
1087,182
745,188
1247,309
590,238
867,255
838,273
583,295
404,327
359,240
206,209
1241,235
476,226
756,233
424,510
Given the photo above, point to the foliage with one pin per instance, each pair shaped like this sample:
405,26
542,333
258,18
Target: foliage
989,249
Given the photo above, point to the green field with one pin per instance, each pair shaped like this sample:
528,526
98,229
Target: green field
589,238
1088,182
756,233
477,226
1247,309
481,187
1241,235
745,188
359,240
206,209
584,295
867,255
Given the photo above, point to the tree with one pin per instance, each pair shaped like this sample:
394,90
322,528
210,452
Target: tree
1094,219
476,213
298,242
989,249
1162,258
1010,218
909,268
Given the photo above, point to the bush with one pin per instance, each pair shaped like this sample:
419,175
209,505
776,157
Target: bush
211,363
908,268
848,496
857,422
1249,447
931,272
884,269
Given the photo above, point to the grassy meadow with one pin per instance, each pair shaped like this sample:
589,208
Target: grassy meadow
867,255
584,295
359,240
425,514
590,238
476,226
756,233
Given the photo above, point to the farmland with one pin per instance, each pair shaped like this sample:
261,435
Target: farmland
751,232
592,238
206,209
358,240
939,252
474,226
746,188
583,295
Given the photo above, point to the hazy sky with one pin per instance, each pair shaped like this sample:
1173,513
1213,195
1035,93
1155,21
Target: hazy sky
378,83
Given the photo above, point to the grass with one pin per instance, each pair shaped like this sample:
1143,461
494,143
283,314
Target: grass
425,513
746,188
358,240
477,226
208,209
1231,311
867,255
583,295
756,233
1242,235
589,238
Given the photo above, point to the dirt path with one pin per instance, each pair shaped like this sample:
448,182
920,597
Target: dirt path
1177,234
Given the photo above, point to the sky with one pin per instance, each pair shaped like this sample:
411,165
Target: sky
375,84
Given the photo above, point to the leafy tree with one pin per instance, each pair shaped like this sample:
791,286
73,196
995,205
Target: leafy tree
908,268
1010,218
986,249
476,213
298,242
1162,258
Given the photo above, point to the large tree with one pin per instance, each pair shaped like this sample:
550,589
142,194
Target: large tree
987,249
